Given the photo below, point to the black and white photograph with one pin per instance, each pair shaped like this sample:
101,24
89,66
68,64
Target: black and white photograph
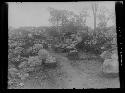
62,45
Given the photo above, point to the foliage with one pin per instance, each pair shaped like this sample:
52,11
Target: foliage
13,78
35,48
94,40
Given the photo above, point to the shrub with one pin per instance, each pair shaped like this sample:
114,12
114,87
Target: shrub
94,40
35,48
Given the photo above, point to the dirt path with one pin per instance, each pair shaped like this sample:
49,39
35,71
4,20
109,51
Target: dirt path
78,78
74,78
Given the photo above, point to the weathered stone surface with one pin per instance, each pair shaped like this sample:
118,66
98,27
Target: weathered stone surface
111,65
43,54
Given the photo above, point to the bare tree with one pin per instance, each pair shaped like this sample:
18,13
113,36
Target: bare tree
55,17
94,7
59,17
83,15
104,16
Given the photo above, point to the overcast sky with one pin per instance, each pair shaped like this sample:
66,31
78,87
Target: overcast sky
36,13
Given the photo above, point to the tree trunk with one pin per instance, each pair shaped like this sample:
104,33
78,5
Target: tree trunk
94,21
94,9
